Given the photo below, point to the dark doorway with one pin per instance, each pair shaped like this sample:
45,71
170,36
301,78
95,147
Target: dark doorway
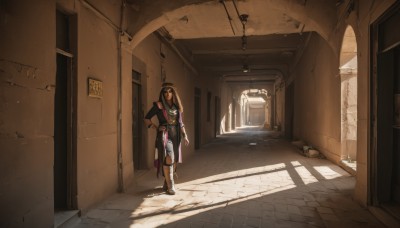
61,140
396,131
217,123
385,154
64,117
197,119
137,117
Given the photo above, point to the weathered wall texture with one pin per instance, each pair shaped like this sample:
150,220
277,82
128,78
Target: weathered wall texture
126,117
207,84
317,99
348,75
97,125
349,116
27,69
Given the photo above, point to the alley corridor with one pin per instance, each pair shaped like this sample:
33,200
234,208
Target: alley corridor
248,178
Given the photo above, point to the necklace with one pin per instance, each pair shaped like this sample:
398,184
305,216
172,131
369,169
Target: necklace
171,111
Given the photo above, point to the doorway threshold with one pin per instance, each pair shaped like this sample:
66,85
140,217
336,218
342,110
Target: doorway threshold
386,217
349,166
66,218
139,173
393,209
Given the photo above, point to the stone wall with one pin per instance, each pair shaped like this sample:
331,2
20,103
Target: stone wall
207,84
27,88
97,139
317,115
317,99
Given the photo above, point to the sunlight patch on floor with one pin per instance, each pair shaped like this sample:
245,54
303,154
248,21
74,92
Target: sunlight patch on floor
295,163
350,164
305,175
327,172
219,191
237,174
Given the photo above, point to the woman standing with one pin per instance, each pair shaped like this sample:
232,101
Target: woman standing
170,131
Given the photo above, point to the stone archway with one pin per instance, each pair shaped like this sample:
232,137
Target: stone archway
314,15
348,75
255,108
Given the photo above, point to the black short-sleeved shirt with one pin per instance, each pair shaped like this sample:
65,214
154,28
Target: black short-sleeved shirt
155,110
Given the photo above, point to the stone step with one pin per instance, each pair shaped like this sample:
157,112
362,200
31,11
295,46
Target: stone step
386,218
66,219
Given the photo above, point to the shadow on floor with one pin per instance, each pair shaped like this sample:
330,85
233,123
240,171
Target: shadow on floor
249,178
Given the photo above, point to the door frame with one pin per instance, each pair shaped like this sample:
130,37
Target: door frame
217,121
72,116
140,122
378,47
197,117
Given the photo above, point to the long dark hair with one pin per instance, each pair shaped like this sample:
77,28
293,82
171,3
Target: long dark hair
175,98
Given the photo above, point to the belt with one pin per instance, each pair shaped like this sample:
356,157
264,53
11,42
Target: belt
165,126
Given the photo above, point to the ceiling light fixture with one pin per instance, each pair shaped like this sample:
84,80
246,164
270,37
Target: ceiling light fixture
244,42
243,19
245,68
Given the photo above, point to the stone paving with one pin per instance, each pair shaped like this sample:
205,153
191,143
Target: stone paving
244,179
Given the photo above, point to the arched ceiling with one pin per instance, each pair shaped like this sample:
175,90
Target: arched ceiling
209,33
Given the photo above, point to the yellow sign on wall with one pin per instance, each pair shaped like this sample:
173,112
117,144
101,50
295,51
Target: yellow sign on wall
95,88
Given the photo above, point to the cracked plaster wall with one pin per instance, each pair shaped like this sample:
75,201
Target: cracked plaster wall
27,89
27,69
